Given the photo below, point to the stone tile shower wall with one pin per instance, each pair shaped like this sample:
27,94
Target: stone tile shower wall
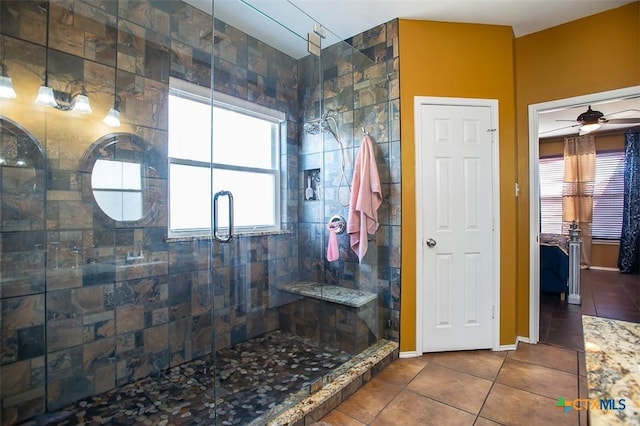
363,86
84,333
68,333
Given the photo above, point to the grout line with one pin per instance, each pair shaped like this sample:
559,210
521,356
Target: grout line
404,387
441,402
546,366
493,383
528,391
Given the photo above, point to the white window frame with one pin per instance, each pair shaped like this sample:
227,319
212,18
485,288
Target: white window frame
199,93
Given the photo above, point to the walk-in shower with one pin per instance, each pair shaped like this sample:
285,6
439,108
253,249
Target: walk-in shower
109,320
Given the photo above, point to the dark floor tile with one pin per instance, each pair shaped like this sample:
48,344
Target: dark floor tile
574,341
569,316
566,326
620,314
620,295
588,308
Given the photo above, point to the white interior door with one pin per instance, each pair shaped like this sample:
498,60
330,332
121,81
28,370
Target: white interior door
457,216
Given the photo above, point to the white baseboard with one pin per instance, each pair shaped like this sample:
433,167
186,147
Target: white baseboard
522,339
507,347
604,268
411,354
514,346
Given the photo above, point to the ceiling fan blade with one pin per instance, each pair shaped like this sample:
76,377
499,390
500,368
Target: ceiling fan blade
558,129
620,112
623,120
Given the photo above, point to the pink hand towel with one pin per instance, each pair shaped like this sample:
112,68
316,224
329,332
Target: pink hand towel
333,252
366,198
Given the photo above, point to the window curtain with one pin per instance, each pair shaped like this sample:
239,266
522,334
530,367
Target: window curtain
577,190
629,257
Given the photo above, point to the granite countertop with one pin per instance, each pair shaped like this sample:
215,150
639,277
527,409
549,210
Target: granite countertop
613,369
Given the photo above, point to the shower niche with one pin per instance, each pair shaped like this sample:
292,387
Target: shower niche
311,185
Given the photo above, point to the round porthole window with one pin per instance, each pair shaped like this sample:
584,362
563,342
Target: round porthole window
127,178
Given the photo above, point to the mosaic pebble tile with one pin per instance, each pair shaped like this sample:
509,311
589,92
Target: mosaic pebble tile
237,385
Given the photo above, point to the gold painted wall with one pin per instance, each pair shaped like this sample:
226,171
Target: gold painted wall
481,61
467,61
554,64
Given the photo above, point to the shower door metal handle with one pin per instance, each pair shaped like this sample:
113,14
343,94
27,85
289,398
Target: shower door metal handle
216,237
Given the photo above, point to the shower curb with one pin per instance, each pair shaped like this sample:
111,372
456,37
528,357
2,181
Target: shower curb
347,379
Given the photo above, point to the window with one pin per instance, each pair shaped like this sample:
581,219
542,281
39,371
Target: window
243,159
116,185
608,195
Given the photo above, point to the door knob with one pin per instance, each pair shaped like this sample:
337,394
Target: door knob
431,242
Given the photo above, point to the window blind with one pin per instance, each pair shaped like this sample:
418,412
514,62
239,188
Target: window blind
608,198
608,195
551,177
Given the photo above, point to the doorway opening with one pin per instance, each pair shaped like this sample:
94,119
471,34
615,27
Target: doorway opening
535,111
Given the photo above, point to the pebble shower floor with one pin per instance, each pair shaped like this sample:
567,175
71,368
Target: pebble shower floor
250,379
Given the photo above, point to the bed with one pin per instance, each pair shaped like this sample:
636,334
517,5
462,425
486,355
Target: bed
554,263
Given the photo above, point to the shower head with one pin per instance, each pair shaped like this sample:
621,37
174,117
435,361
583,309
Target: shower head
312,128
322,124
330,113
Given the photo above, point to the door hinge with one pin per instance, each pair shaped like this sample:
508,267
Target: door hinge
493,312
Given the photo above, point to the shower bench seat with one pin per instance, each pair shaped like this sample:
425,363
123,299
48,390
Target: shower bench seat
339,316
330,293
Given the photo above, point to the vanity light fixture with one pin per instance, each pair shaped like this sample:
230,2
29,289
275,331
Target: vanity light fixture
6,85
63,100
6,88
81,104
45,96
112,119
45,93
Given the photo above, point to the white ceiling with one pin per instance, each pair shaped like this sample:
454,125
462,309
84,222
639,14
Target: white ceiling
346,18
284,24
562,122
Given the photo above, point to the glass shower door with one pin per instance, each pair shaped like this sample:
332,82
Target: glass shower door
282,323
265,339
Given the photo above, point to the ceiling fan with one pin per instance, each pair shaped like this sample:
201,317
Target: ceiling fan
591,120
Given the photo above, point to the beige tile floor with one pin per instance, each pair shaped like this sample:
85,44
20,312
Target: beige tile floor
518,387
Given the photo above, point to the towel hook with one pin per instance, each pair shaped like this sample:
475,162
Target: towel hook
338,224
364,131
